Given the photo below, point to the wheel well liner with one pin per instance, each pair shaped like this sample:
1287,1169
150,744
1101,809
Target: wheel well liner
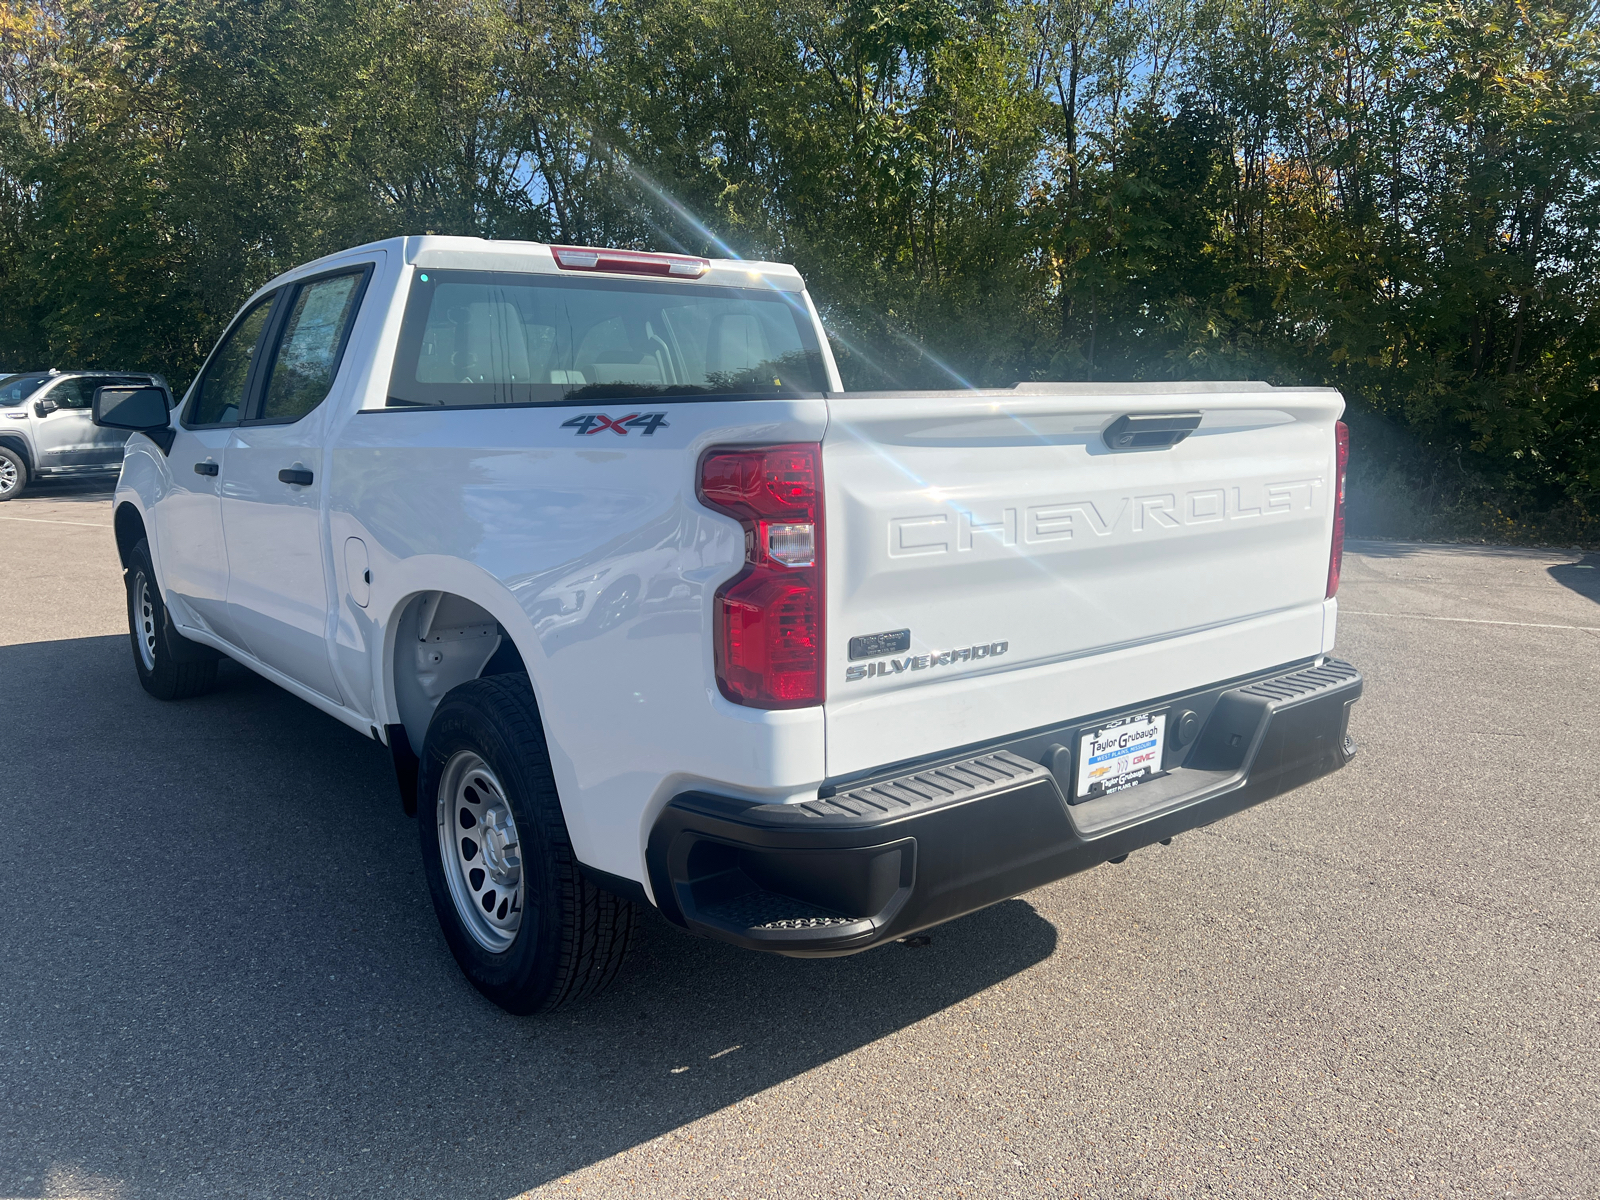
129,528
443,640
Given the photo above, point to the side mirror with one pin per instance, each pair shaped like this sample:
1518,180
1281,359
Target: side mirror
141,409
43,408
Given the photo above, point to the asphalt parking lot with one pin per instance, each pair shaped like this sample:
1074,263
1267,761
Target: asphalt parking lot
220,975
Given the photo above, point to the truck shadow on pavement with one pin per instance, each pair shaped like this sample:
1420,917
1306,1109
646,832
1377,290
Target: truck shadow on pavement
1582,577
74,489
222,977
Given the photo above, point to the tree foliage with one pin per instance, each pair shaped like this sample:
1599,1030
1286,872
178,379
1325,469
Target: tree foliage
1397,198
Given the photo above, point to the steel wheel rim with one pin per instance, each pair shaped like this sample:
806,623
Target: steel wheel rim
480,851
144,621
8,475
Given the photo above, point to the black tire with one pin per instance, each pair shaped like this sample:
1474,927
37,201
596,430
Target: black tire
572,936
13,474
170,666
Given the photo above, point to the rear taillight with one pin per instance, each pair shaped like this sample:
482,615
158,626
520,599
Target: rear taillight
1341,438
629,262
769,617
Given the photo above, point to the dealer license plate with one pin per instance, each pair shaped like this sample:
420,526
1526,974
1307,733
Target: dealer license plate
1120,755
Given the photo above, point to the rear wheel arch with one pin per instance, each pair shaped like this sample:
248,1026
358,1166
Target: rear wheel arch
439,640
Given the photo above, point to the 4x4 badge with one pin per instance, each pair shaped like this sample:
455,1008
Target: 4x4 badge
593,423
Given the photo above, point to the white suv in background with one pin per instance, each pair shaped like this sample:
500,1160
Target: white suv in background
46,427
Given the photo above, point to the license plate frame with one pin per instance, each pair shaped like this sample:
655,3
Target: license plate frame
1120,754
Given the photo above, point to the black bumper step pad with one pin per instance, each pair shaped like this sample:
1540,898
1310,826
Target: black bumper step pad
964,780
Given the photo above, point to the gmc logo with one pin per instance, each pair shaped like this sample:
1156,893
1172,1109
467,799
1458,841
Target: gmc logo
1064,520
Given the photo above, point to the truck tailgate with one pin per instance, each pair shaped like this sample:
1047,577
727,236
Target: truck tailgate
1000,567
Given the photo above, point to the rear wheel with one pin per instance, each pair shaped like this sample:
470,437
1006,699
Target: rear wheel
170,666
13,474
529,931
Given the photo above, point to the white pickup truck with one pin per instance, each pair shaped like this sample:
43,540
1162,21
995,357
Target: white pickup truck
649,610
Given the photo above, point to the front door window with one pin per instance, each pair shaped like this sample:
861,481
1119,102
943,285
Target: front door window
219,397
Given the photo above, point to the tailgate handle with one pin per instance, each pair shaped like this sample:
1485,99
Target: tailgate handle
1150,431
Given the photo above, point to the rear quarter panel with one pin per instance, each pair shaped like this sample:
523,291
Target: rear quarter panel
596,556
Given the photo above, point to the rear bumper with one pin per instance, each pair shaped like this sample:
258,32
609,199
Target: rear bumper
880,857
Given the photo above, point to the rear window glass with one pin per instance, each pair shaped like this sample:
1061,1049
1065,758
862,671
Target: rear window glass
474,338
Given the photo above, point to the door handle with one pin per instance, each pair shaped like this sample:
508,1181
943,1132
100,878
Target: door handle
297,475
205,468
1150,431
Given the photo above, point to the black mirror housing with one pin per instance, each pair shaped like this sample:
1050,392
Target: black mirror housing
141,409
43,408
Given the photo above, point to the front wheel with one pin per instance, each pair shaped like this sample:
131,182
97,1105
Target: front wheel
528,930
170,666
13,474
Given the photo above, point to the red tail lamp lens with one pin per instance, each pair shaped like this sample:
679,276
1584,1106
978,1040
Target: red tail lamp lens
1341,437
629,262
769,617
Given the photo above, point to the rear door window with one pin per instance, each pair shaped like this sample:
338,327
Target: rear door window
219,397
313,341
481,338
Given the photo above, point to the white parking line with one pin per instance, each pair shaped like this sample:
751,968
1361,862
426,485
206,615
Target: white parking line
1356,612
51,521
